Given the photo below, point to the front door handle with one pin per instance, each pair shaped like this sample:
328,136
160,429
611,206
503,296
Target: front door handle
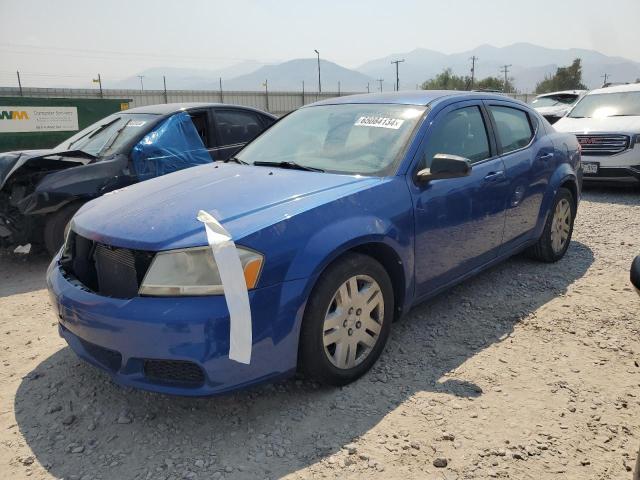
546,156
494,176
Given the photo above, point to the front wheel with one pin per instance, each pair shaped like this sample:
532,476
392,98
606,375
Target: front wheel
556,236
55,227
347,320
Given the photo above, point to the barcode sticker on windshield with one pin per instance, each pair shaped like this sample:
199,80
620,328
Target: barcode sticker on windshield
379,122
136,123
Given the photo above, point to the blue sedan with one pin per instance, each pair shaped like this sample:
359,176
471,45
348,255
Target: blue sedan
300,252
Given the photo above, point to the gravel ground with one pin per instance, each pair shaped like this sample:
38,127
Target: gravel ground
527,371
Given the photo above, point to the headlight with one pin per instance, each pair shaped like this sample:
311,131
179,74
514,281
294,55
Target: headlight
193,271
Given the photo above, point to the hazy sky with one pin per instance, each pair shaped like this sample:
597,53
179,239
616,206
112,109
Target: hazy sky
70,41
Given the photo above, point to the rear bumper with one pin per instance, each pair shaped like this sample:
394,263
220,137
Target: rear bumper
122,337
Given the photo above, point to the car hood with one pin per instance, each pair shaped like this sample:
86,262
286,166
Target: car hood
628,125
10,162
557,111
160,214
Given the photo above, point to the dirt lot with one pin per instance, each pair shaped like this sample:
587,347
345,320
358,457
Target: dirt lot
528,371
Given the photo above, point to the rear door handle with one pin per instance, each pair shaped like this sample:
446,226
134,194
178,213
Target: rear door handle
494,176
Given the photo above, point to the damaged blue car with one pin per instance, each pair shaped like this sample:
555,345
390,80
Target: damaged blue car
40,190
300,251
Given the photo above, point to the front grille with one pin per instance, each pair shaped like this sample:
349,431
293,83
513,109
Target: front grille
174,372
103,269
603,145
108,358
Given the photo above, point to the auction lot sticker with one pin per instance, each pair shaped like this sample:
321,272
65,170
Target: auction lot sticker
379,122
38,119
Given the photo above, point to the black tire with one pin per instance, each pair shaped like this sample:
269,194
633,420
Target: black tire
543,249
55,227
313,360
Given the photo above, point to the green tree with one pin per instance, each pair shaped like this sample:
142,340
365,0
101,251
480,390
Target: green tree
446,80
495,83
565,78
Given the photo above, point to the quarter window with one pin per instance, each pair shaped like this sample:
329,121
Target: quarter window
463,133
237,126
513,126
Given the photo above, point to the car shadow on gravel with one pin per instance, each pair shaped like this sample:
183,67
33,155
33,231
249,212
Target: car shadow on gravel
30,270
78,423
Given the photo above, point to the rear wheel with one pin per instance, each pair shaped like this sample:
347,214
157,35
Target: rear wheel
347,320
55,227
556,236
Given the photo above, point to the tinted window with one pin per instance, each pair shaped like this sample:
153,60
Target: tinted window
514,129
237,126
463,133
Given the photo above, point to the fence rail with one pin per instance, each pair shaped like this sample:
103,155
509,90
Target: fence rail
276,102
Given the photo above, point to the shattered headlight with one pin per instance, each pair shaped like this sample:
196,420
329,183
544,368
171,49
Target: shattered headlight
193,271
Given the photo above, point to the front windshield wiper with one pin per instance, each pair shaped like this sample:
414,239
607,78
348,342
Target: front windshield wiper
235,159
95,132
290,165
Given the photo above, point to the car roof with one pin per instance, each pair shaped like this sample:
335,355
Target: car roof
169,108
633,87
563,92
412,97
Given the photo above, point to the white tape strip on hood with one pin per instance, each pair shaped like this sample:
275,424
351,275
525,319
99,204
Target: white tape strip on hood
234,286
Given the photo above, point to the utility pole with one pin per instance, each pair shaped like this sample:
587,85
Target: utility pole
99,82
473,70
19,83
319,82
380,80
605,76
266,93
141,83
221,97
397,74
164,82
505,70
338,87
368,89
303,93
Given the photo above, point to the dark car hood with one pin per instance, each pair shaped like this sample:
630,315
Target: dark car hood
12,161
160,214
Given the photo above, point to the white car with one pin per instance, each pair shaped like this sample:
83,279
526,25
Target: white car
553,106
607,124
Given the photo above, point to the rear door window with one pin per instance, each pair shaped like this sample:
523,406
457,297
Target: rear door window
237,127
514,130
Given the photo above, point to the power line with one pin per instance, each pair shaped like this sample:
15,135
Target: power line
397,75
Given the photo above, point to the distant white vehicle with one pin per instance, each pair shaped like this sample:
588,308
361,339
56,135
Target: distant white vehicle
553,106
607,124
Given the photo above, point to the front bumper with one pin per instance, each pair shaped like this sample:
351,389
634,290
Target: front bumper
122,337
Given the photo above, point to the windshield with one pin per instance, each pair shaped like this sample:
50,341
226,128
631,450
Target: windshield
351,138
554,101
108,135
600,105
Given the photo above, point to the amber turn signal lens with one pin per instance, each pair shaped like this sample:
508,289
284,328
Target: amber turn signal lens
252,272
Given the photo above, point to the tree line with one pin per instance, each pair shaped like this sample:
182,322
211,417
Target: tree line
565,78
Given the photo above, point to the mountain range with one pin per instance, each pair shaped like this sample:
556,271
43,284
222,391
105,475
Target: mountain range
528,64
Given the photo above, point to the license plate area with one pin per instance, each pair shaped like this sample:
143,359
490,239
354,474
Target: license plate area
590,168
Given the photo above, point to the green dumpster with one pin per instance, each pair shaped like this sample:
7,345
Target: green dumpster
29,123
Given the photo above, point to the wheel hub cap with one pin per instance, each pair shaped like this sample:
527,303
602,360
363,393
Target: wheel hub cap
353,321
560,225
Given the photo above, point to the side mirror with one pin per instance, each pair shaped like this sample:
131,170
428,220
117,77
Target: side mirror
445,166
635,273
